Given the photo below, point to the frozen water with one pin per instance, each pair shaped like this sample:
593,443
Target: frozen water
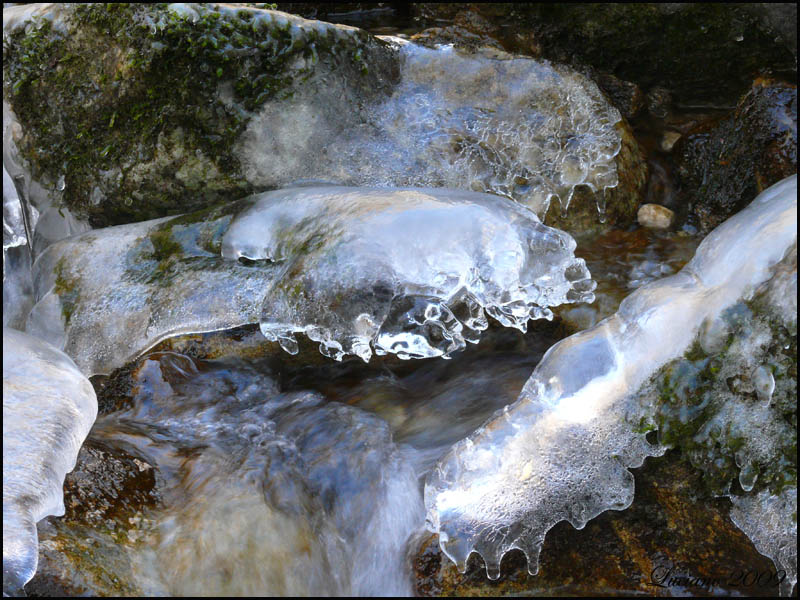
48,409
109,294
562,451
408,271
483,121
771,522
17,281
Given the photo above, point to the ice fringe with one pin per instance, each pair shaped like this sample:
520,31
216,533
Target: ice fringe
408,271
563,449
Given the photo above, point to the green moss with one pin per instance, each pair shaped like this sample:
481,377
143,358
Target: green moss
689,392
133,90
67,290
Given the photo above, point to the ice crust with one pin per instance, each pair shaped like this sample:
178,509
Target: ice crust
770,521
563,449
484,121
17,281
409,271
48,409
109,294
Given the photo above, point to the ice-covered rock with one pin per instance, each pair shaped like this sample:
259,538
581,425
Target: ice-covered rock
48,409
408,271
563,450
109,294
483,121
256,99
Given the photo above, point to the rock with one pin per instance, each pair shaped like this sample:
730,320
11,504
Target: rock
702,53
108,498
132,140
138,107
723,164
655,216
625,95
669,139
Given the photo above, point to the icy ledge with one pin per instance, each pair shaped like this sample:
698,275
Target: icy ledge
408,271
563,449
48,409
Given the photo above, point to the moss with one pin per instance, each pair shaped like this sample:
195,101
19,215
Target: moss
688,393
67,289
133,97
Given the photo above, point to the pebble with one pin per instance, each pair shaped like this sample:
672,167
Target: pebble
655,216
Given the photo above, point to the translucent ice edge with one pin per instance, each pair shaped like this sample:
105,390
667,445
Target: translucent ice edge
563,449
48,409
408,271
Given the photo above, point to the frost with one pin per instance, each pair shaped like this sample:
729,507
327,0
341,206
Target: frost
410,271
563,450
484,121
48,409
770,521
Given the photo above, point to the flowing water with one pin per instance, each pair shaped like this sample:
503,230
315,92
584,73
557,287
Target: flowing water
286,476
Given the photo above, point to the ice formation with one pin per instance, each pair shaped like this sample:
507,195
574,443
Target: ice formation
563,450
407,271
267,493
17,282
770,521
109,294
483,121
48,409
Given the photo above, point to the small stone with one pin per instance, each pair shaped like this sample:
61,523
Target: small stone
668,140
655,216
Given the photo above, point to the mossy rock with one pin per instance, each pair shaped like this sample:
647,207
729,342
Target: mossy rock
138,106
724,164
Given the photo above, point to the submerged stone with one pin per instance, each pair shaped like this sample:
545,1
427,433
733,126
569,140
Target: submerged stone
563,450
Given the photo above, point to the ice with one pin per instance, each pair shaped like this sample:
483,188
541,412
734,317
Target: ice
771,522
48,409
408,271
484,121
17,281
563,450
109,294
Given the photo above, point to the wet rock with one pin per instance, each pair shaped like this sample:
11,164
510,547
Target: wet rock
456,35
722,164
618,204
702,53
625,95
107,498
138,107
655,216
669,532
